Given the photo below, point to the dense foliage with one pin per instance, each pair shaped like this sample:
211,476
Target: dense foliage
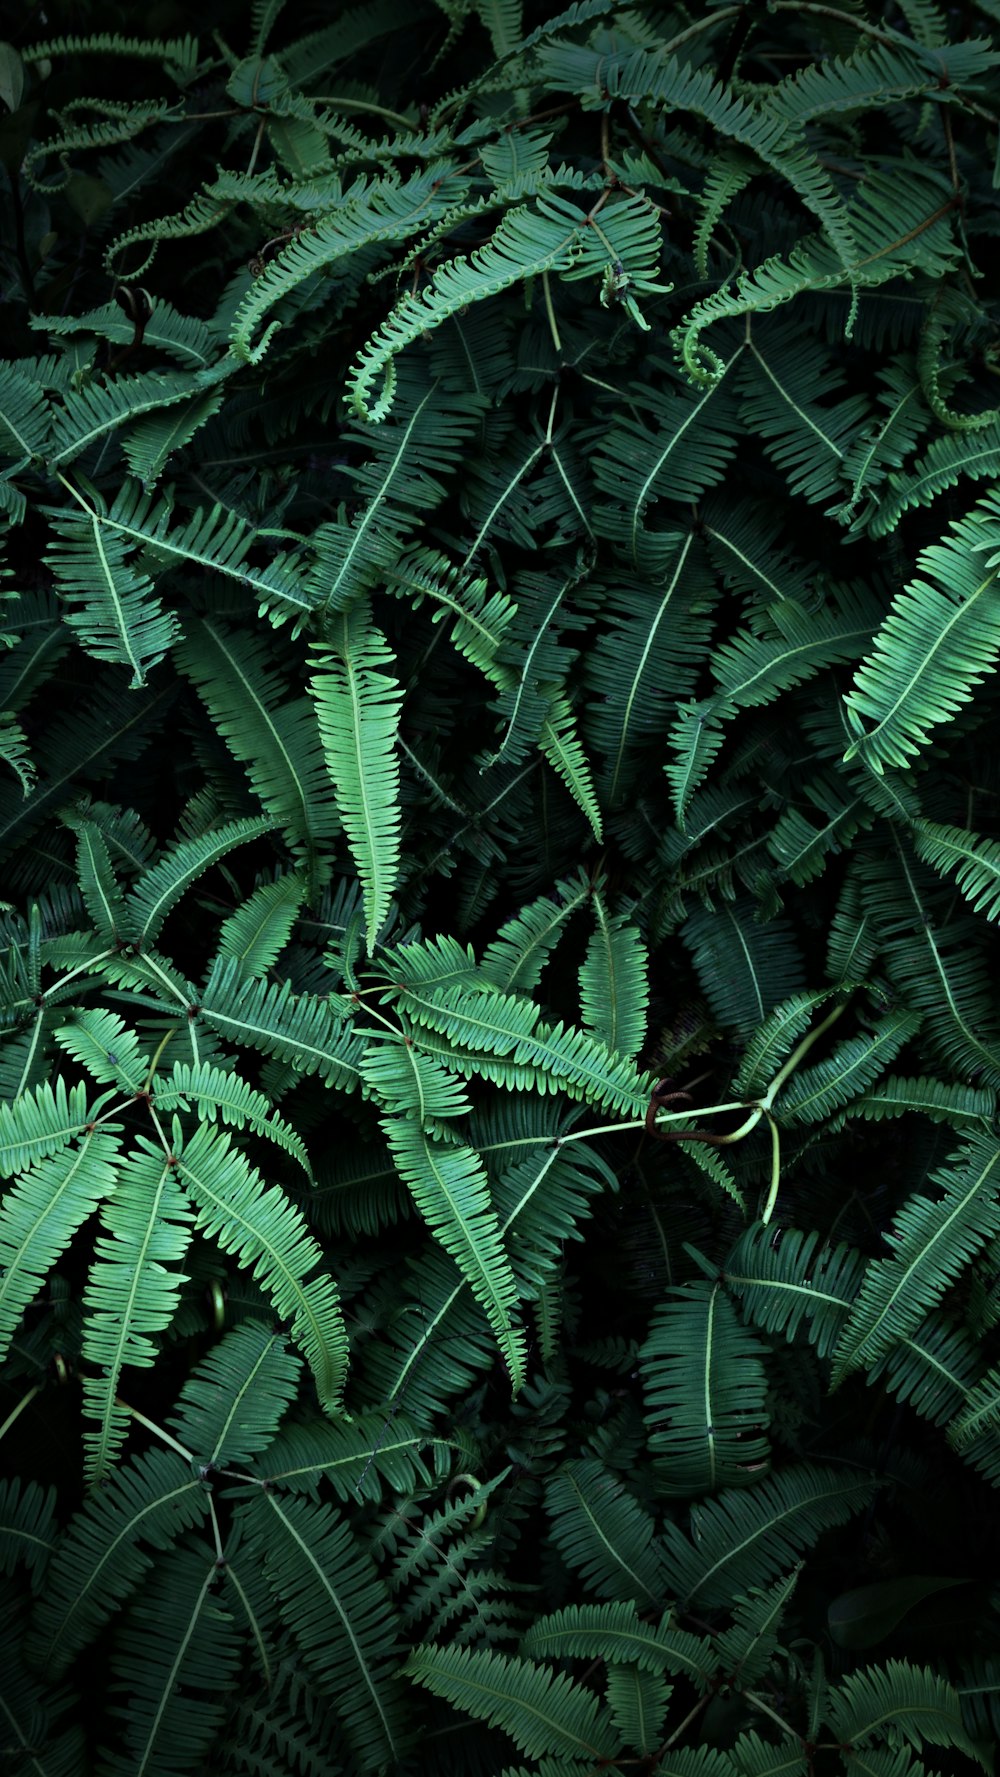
500,1235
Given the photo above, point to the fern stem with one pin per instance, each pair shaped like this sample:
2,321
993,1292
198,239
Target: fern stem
709,1110
365,105
172,1032
695,30
57,986
756,1702
772,1192
550,312
797,1054
15,1412
834,12
157,1430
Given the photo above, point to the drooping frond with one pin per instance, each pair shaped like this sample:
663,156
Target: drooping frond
613,981
616,1631
265,1229
786,1281
337,1610
541,1710
357,704
217,1094
106,1551
42,1211
112,605
300,1029
132,1292
747,1535
938,642
230,1406
933,1239
705,1388
603,1533
277,739
449,1186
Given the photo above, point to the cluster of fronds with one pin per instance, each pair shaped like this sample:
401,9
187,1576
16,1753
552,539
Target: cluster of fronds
500,1226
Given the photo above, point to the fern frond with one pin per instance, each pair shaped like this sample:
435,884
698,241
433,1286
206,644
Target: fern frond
256,934
297,1028
231,1404
449,1186
603,1533
974,862
41,1213
813,1093
789,1281
216,1093
541,1710
616,1632
41,1122
939,640
113,608
27,1527
920,1705
337,1610
744,968
178,1656
514,960
276,739
614,988
357,705
160,888
932,1241
747,1536
705,1390
266,1231
560,1059
100,1560
132,1292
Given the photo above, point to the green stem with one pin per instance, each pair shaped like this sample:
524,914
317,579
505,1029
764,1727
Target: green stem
772,1192
551,313
157,1430
15,1412
339,104
795,1057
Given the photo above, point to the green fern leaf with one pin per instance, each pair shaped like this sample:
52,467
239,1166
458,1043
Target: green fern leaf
338,1612
603,1533
100,1560
616,1632
745,1537
972,861
132,1292
41,1122
940,639
277,740
705,1390
161,887
357,706
261,1226
178,1655
256,934
300,1029
216,1093
41,1213
112,605
919,1705
541,1710
230,1405
789,1281
449,1186
932,1242
813,1093
614,990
